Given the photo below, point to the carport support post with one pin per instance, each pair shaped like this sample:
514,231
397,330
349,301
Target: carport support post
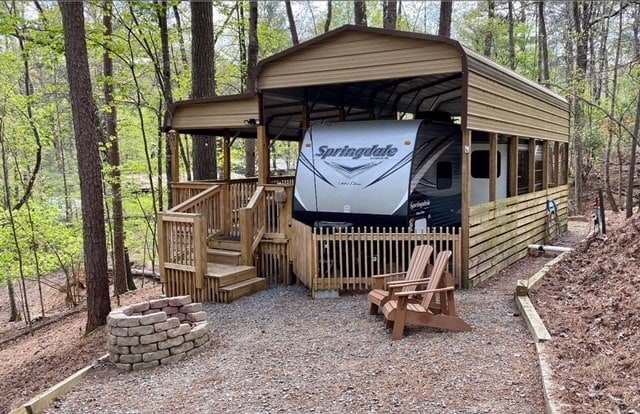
466,204
556,163
226,155
263,155
175,160
493,165
545,164
513,167
532,165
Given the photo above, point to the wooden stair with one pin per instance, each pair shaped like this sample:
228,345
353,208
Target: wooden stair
232,281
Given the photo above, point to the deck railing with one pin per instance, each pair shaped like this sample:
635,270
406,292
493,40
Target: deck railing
345,259
252,225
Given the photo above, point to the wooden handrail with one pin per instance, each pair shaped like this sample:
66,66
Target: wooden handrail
185,205
252,225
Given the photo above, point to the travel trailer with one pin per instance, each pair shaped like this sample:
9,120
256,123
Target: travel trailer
388,173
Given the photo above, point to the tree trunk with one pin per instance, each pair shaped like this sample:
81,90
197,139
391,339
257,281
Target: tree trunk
636,125
327,23
14,316
292,23
488,37
252,61
512,39
111,123
167,92
579,80
360,12
611,129
87,133
446,10
543,74
203,83
390,14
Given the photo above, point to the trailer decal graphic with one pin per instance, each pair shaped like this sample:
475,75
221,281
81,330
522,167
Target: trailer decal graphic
398,166
305,161
350,172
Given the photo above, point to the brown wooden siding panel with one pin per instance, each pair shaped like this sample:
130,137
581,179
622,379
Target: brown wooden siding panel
360,57
500,231
494,107
213,115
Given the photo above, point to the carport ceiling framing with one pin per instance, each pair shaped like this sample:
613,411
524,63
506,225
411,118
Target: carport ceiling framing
383,99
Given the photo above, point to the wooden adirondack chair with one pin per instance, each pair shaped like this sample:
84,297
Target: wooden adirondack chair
399,312
414,275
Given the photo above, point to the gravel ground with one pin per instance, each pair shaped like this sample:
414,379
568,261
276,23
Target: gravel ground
281,351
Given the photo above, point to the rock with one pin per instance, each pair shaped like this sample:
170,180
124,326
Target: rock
183,329
158,303
140,307
197,316
173,358
130,358
153,356
126,367
171,342
170,310
187,346
128,341
179,301
192,307
168,324
201,341
145,365
153,318
141,330
156,337
141,349
128,321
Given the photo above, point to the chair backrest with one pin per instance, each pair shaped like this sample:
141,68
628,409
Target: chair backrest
439,267
418,264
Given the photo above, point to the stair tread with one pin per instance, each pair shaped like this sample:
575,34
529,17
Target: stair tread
224,252
222,270
243,283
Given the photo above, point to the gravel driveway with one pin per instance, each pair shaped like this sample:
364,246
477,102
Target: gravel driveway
281,351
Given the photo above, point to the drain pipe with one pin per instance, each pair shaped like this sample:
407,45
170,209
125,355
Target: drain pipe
543,248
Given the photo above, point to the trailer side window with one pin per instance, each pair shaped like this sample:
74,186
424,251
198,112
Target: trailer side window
443,175
480,164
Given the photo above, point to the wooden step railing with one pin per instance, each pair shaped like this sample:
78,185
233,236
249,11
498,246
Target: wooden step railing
221,208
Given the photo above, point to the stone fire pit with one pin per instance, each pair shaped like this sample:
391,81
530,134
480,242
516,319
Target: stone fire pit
156,332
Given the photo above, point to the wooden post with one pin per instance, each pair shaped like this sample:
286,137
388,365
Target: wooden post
513,167
200,249
466,204
306,117
162,246
341,114
174,142
493,165
246,235
263,155
556,163
565,164
532,165
545,164
226,152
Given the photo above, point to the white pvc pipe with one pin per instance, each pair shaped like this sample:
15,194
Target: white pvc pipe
543,248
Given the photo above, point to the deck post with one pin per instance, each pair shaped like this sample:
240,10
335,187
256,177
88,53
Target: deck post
532,166
226,152
545,164
175,160
466,205
513,167
263,155
493,165
556,163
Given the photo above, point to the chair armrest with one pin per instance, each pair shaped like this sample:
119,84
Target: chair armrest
418,292
387,275
402,283
378,281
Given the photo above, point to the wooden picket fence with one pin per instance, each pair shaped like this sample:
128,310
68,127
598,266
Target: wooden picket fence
345,259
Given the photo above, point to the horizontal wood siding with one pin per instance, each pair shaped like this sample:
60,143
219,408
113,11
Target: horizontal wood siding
215,115
356,56
501,230
494,107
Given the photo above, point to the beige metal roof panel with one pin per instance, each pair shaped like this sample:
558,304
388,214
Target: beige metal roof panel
495,107
216,113
355,56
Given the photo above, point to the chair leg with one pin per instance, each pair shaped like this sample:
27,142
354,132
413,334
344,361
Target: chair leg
374,309
398,325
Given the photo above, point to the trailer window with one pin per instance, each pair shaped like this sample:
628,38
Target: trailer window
480,164
443,175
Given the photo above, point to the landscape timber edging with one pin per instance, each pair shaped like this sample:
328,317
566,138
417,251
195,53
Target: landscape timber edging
538,330
41,402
